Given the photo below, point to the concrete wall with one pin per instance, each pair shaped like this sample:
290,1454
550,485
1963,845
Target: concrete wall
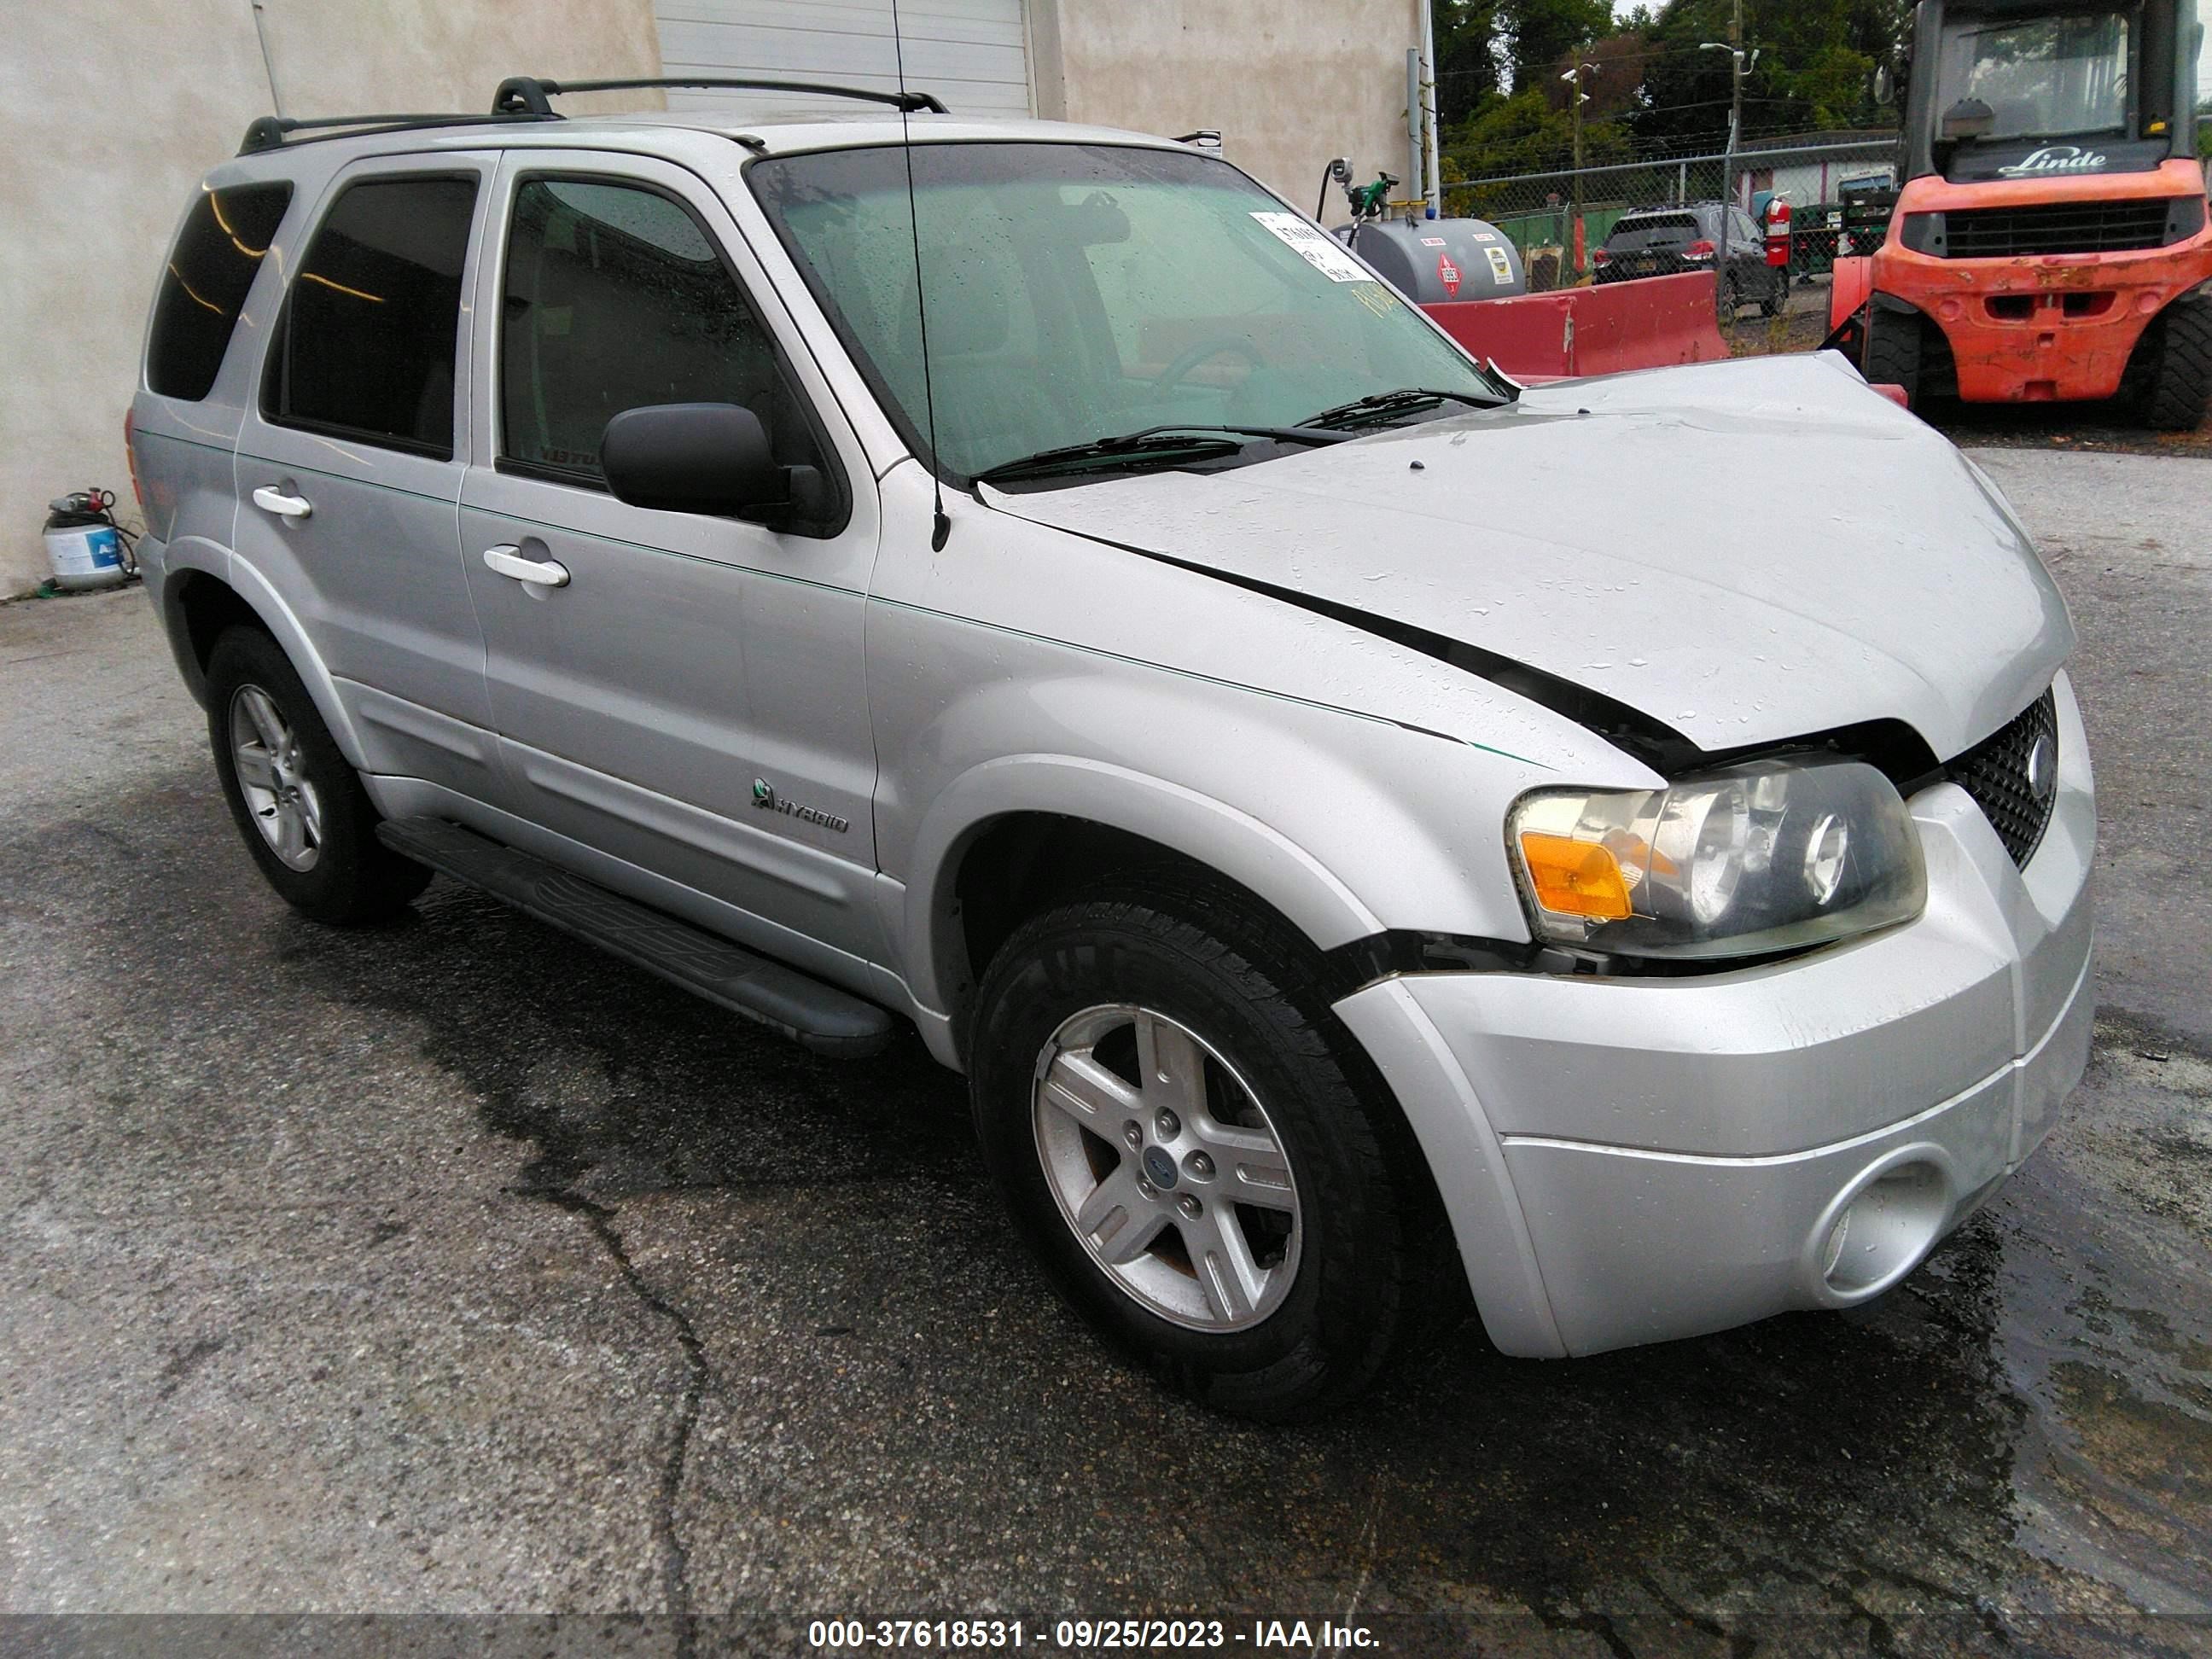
107,117
1288,85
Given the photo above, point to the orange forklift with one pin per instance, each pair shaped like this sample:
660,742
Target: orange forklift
2050,243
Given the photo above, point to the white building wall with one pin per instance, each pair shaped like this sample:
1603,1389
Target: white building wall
109,117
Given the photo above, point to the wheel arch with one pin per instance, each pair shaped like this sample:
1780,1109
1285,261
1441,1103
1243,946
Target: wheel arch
203,594
1000,841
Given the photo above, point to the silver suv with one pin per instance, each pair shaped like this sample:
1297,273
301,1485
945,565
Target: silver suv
1353,819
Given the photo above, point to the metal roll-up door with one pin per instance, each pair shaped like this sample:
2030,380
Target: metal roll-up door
973,54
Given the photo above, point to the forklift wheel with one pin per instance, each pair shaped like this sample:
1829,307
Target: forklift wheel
2180,382
1892,353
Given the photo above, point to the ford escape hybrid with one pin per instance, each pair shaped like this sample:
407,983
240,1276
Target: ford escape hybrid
1224,719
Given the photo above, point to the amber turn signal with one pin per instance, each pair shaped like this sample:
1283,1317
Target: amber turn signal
1575,878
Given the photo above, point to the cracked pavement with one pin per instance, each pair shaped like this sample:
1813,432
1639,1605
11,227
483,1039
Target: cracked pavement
452,1267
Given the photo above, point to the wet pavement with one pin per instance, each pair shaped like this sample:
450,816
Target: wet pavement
450,1267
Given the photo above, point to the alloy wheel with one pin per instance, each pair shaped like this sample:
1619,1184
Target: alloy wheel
282,802
1166,1167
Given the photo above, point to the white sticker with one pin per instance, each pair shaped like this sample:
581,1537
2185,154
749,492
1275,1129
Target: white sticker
1500,266
1432,241
1321,251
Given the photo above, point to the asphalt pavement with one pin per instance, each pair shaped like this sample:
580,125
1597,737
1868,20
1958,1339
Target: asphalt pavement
449,1267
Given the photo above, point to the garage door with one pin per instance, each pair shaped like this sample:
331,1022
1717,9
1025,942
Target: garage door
972,53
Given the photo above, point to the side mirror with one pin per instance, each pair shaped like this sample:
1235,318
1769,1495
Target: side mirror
1969,118
712,458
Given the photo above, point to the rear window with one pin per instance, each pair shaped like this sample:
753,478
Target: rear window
1654,230
210,269
365,346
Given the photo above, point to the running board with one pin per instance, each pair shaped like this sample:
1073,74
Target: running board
821,1017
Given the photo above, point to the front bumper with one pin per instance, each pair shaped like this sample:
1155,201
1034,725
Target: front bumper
1629,1160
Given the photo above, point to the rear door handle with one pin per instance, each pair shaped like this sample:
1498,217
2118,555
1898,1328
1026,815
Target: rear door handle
269,499
508,560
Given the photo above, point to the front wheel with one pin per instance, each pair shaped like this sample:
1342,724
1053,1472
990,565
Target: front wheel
1892,353
298,802
1777,296
1194,1150
2180,384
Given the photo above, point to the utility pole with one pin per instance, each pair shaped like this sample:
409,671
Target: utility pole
1739,66
1575,99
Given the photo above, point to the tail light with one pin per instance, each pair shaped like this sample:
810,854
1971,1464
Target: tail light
130,460
1699,249
1601,258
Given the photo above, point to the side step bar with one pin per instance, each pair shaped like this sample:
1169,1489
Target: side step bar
821,1017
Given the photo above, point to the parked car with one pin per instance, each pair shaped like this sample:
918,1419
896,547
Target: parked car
1669,240
1219,715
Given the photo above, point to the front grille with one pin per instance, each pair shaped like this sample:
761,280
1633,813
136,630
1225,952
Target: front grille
2055,227
1996,772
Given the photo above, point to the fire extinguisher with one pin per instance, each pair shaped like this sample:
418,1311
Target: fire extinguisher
1777,234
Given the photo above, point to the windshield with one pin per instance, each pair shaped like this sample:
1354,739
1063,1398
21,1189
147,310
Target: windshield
2048,78
1077,292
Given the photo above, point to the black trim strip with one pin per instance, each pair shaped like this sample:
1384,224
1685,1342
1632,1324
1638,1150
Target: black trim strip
1890,746
1352,967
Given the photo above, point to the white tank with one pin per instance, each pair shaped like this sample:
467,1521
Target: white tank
85,549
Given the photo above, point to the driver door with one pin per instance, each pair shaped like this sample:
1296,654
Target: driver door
664,685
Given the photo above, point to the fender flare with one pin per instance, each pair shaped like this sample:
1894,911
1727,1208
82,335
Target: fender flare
253,590
1198,826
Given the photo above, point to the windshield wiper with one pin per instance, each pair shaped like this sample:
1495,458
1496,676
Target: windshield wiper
1151,444
1381,405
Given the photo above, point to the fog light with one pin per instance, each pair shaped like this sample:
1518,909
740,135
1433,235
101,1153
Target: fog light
1881,1227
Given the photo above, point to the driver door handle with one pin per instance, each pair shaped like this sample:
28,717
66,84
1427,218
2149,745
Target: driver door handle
508,560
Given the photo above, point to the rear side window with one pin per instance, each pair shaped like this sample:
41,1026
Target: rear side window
615,298
365,346
196,307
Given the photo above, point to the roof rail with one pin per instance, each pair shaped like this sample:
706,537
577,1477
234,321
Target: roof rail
531,94
275,132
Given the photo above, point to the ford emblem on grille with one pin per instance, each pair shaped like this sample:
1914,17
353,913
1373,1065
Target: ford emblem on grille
2043,768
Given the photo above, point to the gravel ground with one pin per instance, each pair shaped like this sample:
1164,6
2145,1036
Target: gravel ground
447,1268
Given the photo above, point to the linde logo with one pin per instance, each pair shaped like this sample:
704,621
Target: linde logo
2055,158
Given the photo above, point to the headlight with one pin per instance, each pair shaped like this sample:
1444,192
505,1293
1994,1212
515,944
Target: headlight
1770,856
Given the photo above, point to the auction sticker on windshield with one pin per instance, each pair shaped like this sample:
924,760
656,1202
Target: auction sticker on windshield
1322,251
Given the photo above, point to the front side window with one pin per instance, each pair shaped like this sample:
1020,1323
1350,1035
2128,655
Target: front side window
225,239
1076,292
365,346
615,298
2050,77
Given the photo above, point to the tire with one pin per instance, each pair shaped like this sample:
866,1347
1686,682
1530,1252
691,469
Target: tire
1346,1219
2179,387
298,802
1777,296
1892,352
1731,297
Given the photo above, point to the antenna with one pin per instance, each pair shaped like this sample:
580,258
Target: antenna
940,526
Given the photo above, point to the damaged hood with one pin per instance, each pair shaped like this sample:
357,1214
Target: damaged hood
1744,552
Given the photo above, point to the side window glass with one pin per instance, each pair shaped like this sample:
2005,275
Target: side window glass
213,265
615,298
365,346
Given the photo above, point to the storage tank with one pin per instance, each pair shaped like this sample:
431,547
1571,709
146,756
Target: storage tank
1435,261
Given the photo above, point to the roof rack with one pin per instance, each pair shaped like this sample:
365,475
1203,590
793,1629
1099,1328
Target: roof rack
531,94
275,132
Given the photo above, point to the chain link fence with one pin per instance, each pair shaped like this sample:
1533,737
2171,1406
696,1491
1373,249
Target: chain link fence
1539,210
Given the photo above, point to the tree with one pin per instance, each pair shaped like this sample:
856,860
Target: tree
1538,33
1467,65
